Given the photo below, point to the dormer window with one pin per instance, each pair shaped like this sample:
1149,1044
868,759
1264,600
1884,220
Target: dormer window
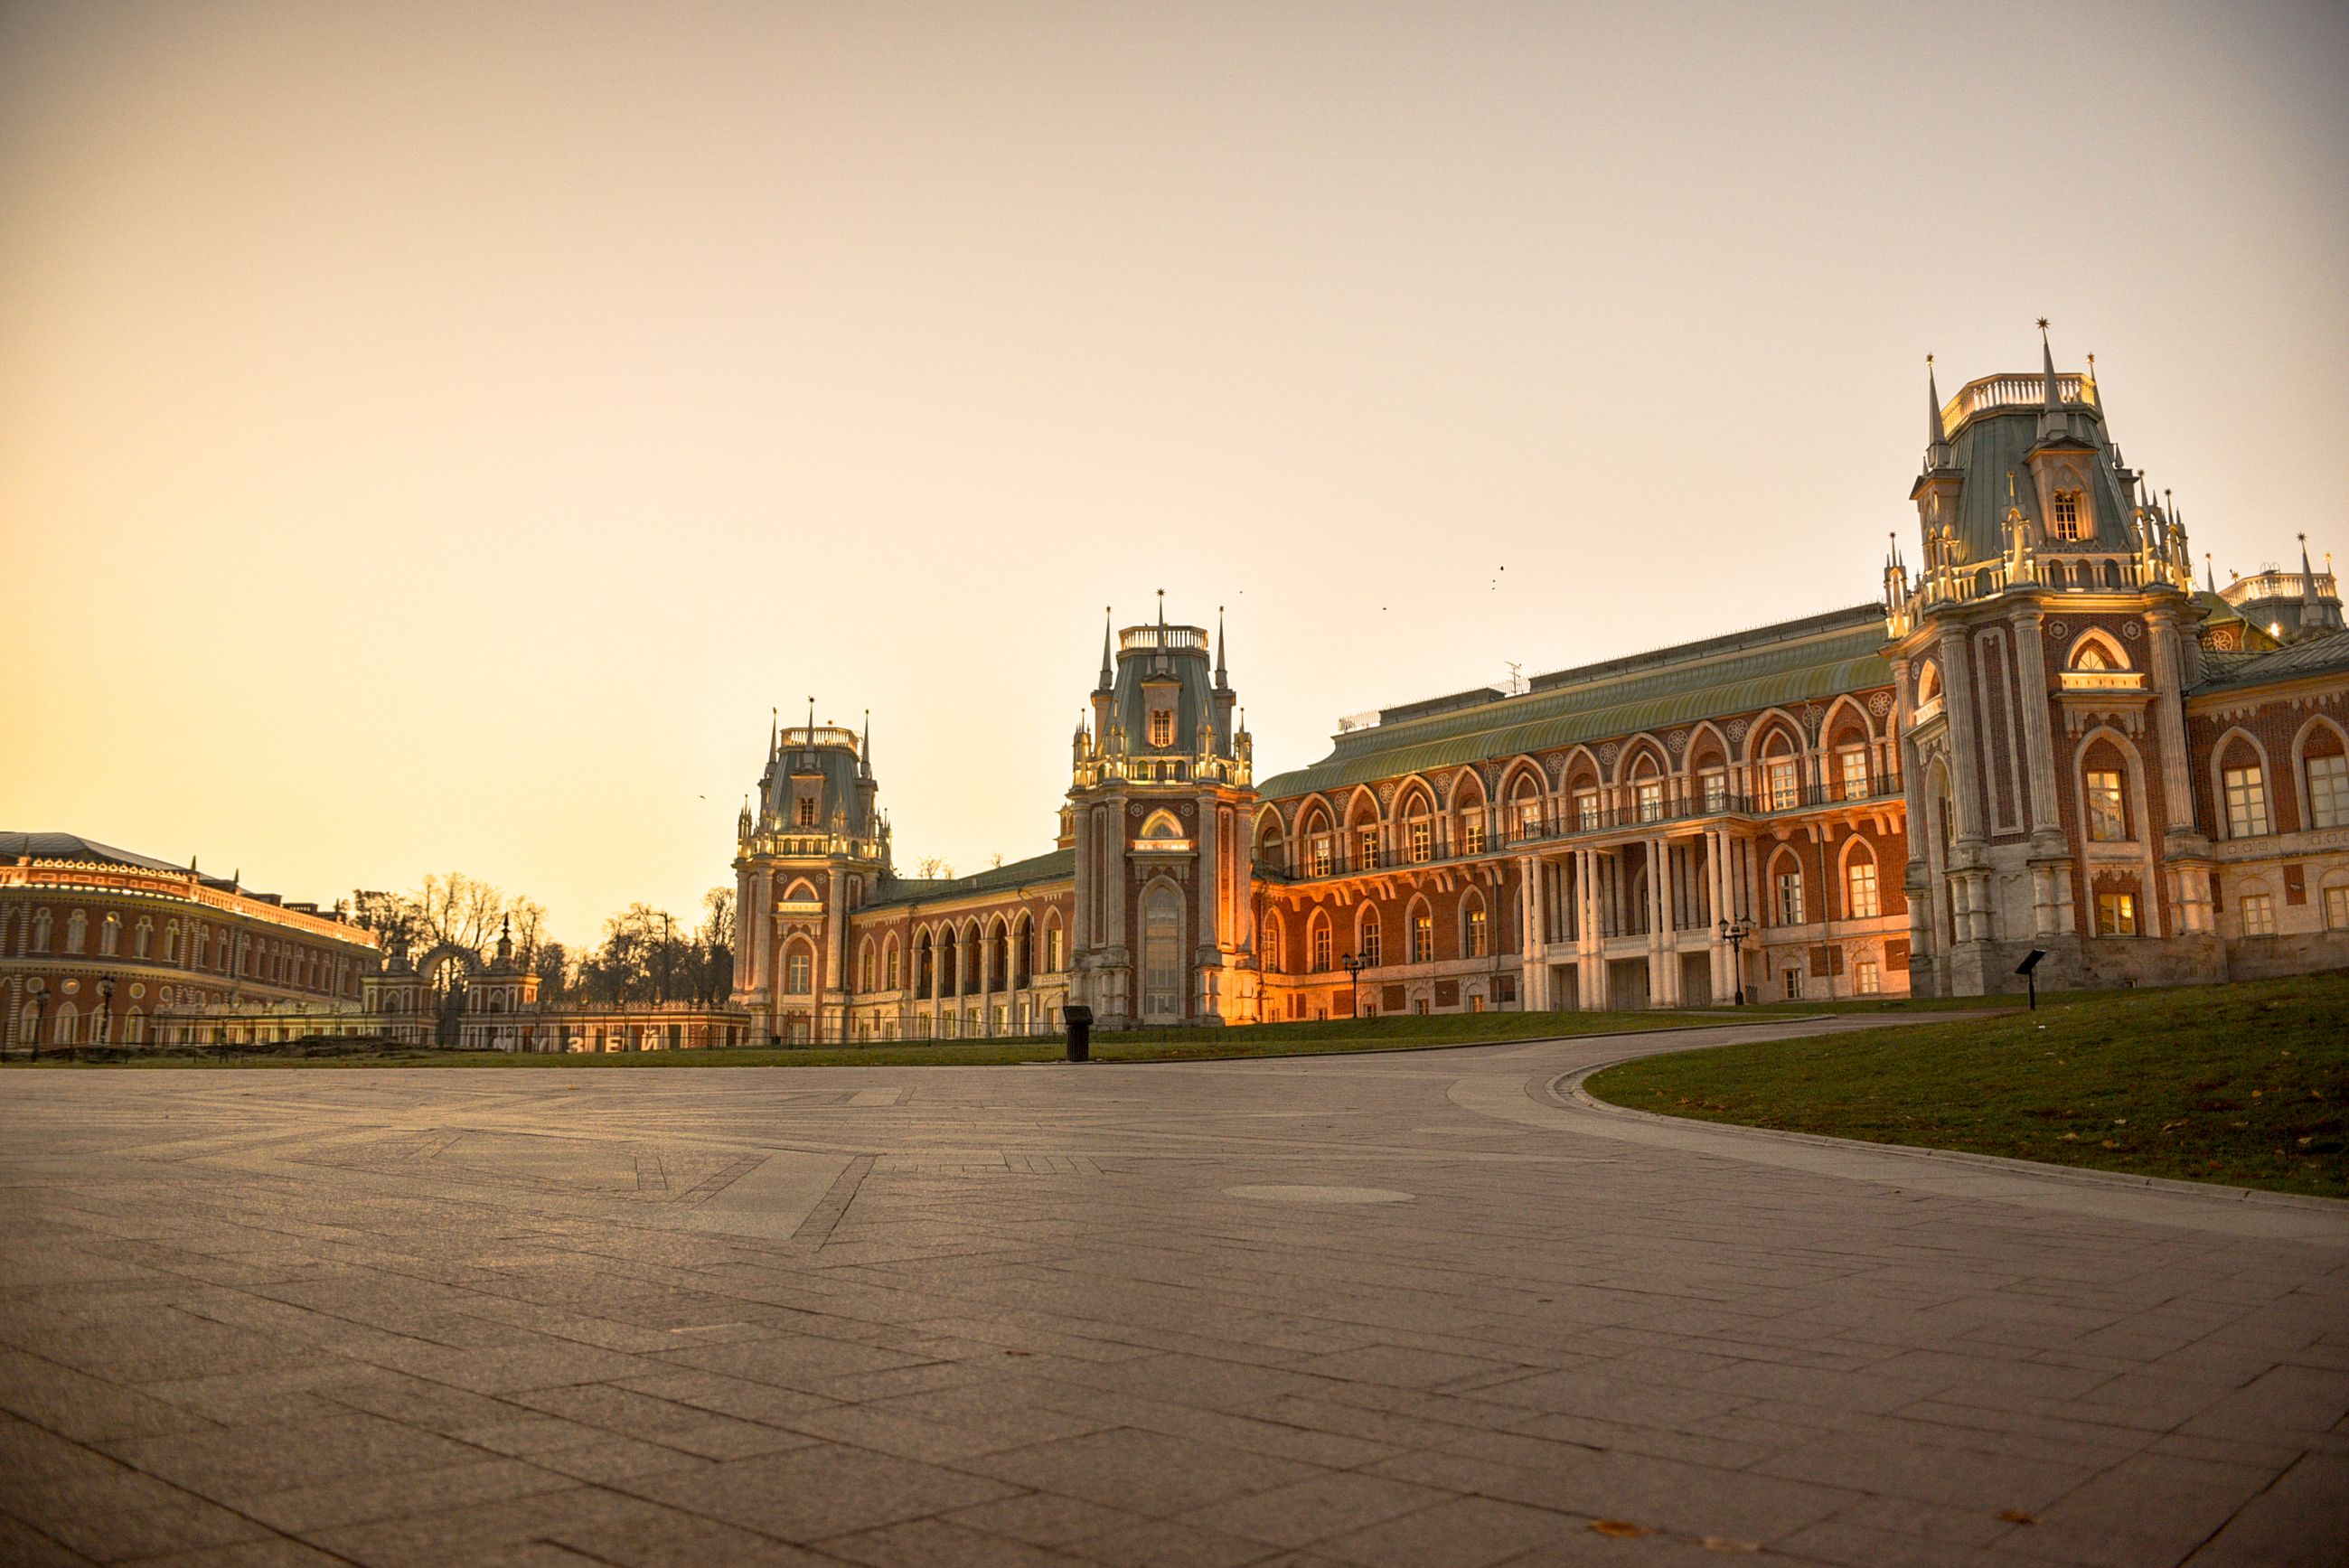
1162,726
806,811
2066,523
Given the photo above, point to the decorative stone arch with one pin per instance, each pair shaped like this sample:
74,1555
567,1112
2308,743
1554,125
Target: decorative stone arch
1929,680
1832,728
1362,808
1579,767
2132,771
1706,743
1161,826
799,944
1318,922
893,973
801,890
1054,960
2096,644
449,952
1467,789
2221,750
1642,749
1270,848
1516,774
1776,722
1413,790
1316,814
1524,797
868,965
1856,850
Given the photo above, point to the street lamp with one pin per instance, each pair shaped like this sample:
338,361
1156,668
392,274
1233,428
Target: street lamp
105,1010
1735,933
1354,967
40,1016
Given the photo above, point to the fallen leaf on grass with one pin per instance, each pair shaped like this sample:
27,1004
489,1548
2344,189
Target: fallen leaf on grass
1621,1528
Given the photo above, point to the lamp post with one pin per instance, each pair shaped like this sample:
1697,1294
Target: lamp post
105,1010
40,1017
1735,933
1353,966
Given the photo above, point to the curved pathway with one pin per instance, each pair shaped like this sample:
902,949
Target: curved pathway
1420,1308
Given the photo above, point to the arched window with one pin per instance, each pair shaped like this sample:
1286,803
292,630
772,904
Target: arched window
895,977
1419,829
1787,889
868,970
1476,927
1318,941
2243,785
799,972
1272,953
1860,900
62,1033
1782,790
77,931
109,936
172,942
1162,726
1269,848
1422,935
2066,523
1370,939
1056,945
2324,769
40,931
2104,787
1162,954
1648,790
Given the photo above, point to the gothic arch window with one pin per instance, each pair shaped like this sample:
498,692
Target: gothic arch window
1269,848
868,967
893,977
1056,950
1475,926
2323,750
1862,898
801,890
170,941
1647,790
1787,906
1319,841
1320,958
1468,814
1418,931
1416,808
1162,952
62,1032
1161,826
2243,783
1524,809
1370,937
1270,956
40,931
134,1027
109,936
1162,726
77,931
799,969
2093,650
925,966
1781,775
2106,787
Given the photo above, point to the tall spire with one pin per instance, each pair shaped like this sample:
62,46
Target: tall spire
1161,615
1108,678
1223,684
2049,403
864,751
2209,573
1937,432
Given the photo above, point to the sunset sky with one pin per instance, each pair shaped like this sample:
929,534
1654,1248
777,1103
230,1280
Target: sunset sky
436,436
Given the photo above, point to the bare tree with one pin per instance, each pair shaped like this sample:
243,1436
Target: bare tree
713,957
933,868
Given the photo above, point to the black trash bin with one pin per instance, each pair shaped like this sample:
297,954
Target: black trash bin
1080,1021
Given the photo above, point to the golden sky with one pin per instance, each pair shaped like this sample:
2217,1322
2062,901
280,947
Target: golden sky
435,436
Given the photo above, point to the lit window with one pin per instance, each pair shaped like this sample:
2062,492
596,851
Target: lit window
2117,914
1423,939
1319,857
109,936
867,970
2107,816
2247,802
1866,978
1715,784
1852,761
798,975
1780,774
1162,726
2328,791
1272,947
1859,879
1322,948
2336,909
2259,914
1790,898
1422,842
1053,954
1373,945
807,812
1586,808
1480,930
2067,514
1650,794
1528,817
1367,841
1472,833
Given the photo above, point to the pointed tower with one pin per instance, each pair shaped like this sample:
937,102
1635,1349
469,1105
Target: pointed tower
1161,802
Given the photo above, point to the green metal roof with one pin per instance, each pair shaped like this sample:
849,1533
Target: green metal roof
1794,661
1054,865
2316,656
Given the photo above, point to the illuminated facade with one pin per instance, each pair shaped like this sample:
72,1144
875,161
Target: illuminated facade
2142,780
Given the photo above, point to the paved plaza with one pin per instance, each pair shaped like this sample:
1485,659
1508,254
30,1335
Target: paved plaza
1397,1310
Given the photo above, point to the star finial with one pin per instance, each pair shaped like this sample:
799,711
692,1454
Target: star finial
2043,327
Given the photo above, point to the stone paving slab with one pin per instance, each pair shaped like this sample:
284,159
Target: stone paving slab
1406,1309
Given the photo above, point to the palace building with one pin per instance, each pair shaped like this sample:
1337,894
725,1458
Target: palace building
2042,737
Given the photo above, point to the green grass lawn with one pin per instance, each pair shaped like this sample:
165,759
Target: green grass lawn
2243,1084
1337,1035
